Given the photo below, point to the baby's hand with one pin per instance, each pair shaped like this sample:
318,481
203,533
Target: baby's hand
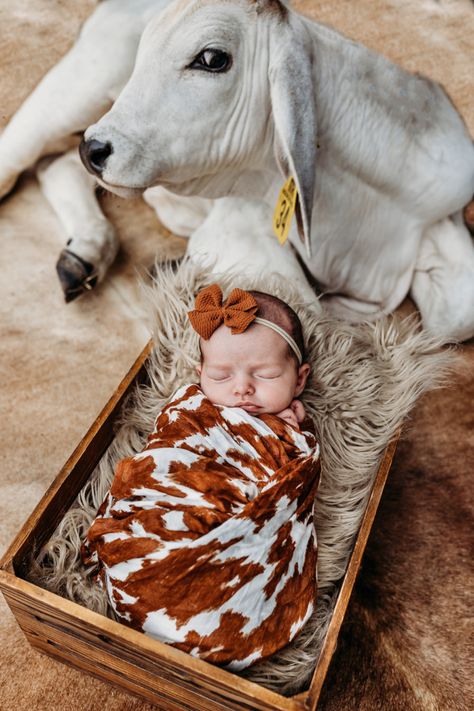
298,408
293,414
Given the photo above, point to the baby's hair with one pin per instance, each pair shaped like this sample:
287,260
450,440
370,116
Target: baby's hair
278,311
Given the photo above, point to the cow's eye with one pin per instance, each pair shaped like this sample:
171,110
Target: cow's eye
212,60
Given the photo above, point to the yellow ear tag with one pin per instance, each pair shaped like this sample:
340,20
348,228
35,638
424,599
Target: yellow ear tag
284,210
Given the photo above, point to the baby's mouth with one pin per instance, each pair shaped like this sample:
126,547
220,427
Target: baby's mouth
248,406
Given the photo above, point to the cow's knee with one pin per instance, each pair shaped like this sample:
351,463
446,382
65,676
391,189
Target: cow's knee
443,281
93,243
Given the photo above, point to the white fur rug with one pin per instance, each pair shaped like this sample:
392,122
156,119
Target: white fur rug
365,379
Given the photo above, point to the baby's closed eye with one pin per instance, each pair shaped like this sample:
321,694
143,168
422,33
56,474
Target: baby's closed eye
268,374
218,375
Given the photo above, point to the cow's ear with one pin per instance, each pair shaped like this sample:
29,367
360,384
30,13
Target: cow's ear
293,102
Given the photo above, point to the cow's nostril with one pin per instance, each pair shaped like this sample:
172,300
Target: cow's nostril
94,155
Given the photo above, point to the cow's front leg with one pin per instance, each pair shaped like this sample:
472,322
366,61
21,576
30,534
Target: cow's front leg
237,238
443,281
181,215
61,105
92,243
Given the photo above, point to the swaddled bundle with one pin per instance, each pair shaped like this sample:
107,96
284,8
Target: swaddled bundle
206,539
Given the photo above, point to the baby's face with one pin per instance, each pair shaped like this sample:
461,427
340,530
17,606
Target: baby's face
251,370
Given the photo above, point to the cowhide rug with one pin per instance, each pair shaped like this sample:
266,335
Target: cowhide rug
405,642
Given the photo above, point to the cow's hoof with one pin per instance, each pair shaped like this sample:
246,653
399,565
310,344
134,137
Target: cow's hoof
75,274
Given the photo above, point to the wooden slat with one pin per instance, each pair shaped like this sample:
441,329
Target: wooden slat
130,659
74,474
329,644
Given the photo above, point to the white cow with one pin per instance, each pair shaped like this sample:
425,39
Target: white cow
226,97
76,92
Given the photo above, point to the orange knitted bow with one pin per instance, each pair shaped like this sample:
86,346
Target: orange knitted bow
237,313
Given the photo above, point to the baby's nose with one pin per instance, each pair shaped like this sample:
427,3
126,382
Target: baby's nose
243,386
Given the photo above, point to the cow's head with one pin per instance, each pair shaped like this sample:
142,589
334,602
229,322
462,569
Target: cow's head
220,88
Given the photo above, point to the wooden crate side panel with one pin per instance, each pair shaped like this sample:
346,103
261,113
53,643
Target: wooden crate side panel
129,659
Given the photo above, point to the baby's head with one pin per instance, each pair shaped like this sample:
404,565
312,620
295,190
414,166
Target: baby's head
249,363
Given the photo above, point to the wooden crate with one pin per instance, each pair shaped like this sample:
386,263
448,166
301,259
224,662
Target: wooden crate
115,653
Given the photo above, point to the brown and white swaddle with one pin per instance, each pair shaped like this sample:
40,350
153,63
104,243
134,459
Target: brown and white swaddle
206,539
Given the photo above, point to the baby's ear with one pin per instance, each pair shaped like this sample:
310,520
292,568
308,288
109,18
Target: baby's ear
199,369
303,372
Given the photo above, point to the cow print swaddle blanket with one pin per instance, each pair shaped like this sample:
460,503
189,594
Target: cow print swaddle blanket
206,538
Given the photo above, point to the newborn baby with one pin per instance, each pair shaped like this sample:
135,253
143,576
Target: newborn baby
248,361
206,538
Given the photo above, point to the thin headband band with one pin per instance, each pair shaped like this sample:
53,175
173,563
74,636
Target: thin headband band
291,342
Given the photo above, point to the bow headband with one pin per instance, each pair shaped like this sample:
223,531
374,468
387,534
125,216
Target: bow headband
237,313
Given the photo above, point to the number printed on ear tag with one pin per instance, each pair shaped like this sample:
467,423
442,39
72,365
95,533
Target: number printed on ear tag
284,210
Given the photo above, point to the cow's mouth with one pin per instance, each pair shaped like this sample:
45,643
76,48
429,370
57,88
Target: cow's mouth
122,191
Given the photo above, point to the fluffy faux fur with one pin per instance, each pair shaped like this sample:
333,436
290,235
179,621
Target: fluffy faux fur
365,378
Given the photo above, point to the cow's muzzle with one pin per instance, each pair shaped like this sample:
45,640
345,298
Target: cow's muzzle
94,155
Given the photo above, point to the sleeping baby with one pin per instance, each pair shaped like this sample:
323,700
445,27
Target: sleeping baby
261,371
206,538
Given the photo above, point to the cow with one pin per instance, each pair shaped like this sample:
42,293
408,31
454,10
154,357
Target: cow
227,100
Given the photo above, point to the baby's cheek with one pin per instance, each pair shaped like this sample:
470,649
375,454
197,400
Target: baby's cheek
216,392
207,389
278,398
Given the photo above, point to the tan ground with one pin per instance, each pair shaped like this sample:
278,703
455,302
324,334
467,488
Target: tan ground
405,642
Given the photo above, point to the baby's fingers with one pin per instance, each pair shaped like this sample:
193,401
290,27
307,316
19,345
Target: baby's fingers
298,408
